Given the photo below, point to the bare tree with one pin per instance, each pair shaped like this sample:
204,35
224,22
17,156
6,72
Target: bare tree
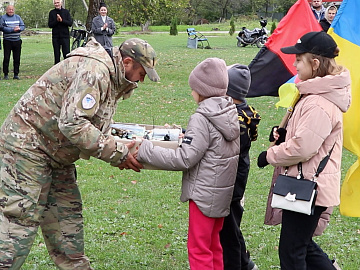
85,5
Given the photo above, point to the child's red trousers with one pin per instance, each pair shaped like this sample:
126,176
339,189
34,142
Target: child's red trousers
204,248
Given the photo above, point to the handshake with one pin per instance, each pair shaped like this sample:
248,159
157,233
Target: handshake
277,135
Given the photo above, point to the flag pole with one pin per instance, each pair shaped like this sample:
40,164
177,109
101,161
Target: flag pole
288,113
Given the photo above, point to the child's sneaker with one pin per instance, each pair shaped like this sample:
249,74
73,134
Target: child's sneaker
252,266
335,264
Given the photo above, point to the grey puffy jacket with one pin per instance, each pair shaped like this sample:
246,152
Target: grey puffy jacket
208,156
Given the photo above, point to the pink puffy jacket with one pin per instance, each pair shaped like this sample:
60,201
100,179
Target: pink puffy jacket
314,128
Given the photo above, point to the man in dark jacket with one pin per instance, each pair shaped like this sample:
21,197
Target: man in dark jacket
318,9
60,21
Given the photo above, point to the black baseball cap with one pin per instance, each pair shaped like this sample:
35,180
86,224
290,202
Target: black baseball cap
319,43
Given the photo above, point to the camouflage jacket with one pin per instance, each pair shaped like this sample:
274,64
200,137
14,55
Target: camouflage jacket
67,112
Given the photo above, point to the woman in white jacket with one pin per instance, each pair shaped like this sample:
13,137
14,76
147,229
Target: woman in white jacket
315,127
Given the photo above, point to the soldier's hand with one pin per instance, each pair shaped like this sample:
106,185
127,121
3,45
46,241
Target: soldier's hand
131,162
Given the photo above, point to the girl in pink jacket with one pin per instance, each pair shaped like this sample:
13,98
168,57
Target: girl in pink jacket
315,127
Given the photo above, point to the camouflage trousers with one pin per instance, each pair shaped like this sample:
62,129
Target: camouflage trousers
33,194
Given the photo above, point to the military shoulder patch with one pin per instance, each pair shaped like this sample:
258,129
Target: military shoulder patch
88,102
187,140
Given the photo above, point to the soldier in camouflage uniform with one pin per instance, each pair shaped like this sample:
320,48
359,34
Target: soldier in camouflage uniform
64,115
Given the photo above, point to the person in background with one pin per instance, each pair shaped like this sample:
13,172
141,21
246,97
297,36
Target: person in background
235,254
314,130
318,9
12,25
59,21
208,158
63,116
330,14
103,28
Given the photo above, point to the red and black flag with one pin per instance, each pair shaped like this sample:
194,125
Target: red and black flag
271,68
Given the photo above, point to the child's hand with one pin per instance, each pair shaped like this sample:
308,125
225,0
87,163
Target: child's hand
273,134
262,161
135,154
280,135
277,135
182,133
131,162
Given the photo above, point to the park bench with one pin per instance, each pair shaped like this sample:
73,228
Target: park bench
196,39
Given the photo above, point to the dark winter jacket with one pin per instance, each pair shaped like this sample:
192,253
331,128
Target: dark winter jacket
60,29
249,120
325,24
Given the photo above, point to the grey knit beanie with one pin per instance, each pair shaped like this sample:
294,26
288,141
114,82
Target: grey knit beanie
210,78
239,81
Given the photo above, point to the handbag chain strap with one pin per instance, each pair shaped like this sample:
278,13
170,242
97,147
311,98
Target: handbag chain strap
320,168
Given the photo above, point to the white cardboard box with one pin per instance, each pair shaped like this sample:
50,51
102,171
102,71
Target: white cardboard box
173,144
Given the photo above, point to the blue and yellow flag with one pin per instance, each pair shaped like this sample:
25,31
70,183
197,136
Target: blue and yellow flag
345,32
288,93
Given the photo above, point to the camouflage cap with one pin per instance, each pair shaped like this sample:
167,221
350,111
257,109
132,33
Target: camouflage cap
143,53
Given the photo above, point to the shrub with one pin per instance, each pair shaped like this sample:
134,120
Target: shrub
173,27
273,27
232,26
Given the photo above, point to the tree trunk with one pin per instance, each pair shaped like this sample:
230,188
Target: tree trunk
92,12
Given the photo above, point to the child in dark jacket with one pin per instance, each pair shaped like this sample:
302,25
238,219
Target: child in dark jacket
235,255
208,158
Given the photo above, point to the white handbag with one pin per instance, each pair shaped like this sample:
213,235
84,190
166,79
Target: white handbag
296,193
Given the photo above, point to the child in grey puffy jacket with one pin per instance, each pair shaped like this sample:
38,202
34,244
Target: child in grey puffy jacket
208,157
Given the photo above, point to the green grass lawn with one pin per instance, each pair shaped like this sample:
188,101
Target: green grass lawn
136,220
